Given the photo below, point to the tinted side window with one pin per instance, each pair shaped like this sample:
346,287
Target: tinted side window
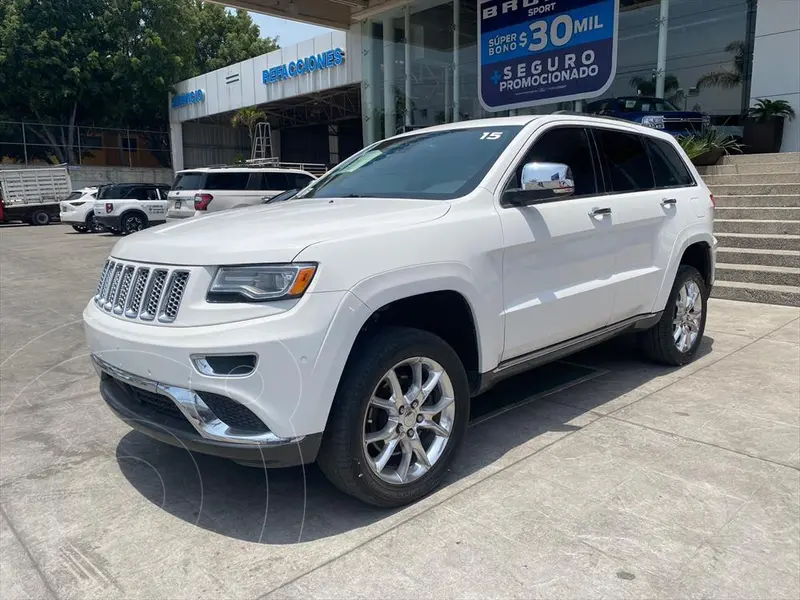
569,146
137,193
297,181
625,161
668,167
227,181
276,181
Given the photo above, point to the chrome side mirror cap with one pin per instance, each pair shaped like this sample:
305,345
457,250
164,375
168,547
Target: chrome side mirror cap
552,180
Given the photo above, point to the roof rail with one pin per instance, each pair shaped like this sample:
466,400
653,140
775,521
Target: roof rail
574,113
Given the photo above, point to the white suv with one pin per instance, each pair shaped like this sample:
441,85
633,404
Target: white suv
197,192
124,208
77,210
351,324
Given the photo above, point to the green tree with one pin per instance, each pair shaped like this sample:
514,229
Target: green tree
109,62
646,86
726,78
249,117
224,38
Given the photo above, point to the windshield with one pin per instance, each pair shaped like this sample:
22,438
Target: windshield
189,181
439,165
646,105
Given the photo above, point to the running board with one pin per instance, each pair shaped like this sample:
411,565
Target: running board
514,366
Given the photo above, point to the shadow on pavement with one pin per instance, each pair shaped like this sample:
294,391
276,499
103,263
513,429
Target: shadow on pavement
285,506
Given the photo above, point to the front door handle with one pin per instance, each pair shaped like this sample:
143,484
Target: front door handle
599,212
669,201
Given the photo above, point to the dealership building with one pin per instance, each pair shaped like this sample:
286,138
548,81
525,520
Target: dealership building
392,66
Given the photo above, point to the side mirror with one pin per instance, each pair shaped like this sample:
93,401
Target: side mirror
541,182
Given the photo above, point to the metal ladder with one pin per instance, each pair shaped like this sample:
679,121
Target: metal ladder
262,142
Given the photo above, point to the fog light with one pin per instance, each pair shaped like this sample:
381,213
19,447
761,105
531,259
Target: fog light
225,365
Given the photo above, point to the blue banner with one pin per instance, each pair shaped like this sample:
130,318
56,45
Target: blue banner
544,51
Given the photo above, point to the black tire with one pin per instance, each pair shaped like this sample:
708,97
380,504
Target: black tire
93,225
133,222
658,342
79,228
342,455
40,217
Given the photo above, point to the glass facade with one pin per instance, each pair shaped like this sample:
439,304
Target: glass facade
420,62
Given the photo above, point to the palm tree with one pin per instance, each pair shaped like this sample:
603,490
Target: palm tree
728,79
647,87
249,117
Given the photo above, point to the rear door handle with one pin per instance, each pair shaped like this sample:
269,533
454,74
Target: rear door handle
599,212
669,201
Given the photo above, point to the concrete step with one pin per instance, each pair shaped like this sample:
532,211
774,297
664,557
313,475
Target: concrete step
764,200
756,256
756,226
738,159
761,241
757,292
748,168
759,274
752,178
755,189
780,213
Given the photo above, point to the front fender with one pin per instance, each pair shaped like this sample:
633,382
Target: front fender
482,297
697,232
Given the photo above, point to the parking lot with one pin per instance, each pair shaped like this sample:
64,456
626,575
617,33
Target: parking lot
599,476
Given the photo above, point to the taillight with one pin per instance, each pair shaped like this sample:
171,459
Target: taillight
201,201
109,207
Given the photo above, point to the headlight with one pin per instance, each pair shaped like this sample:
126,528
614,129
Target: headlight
653,121
261,283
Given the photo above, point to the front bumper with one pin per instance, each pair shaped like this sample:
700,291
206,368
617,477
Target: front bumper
300,353
200,430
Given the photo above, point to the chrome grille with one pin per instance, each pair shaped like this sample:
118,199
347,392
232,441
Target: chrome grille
124,289
139,292
172,301
153,294
112,291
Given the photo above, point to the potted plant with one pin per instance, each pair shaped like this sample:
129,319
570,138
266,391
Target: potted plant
763,129
707,149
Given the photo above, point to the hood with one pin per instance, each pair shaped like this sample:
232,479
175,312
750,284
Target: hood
272,233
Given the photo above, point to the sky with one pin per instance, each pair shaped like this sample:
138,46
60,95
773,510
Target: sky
289,32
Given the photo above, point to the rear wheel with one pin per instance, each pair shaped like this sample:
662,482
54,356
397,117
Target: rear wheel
398,418
93,225
40,217
675,339
79,228
133,222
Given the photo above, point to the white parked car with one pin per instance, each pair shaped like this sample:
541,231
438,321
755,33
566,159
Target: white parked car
77,210
197,192
124,208
352,323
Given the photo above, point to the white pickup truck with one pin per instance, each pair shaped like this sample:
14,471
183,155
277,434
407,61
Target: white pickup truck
351,324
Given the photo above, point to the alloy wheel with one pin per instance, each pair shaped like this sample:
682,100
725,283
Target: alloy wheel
134,223
688,316
409,420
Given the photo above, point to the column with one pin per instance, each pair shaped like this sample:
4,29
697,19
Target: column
369,88
407,65
389,102
176,145
456,61
661,62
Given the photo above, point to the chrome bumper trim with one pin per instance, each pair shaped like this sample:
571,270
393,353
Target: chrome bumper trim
193,408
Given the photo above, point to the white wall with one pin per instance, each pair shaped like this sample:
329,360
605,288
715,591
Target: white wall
776,72
90,176
248,88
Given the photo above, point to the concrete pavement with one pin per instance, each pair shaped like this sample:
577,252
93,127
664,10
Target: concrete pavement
634,481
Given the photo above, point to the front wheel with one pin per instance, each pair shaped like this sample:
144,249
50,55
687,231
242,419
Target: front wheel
398,418
676,338
133,222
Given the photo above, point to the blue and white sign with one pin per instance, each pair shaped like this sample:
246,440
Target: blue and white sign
188,98
543,51
316,62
